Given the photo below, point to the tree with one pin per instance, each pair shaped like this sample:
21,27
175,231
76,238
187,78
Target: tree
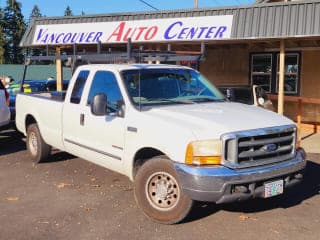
2,40
35,12
2,43
68,11
13,30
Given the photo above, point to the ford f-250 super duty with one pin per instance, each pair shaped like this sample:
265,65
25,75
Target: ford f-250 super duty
170,131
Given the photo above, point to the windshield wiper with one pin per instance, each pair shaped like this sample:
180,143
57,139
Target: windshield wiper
180,101
207,99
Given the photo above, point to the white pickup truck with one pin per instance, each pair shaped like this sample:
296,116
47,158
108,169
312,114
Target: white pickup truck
170,131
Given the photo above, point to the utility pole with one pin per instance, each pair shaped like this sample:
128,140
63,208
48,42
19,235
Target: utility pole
281,77
195,3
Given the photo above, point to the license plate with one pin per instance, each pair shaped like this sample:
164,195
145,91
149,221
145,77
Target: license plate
273,188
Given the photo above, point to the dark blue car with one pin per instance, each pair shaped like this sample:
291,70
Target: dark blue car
31,86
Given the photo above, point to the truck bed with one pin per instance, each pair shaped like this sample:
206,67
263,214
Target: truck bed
47,110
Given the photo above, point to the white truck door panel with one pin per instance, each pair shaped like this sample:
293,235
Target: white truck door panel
73,132
104,135
99,139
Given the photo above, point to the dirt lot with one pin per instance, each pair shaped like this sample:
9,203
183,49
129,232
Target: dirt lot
69,198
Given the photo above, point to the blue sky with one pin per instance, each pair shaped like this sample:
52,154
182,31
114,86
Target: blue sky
57,7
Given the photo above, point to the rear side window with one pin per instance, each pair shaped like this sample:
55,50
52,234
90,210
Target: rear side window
79,86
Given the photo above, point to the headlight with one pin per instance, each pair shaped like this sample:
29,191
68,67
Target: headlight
204,152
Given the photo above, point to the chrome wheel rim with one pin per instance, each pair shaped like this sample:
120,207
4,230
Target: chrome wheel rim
33,143
162,191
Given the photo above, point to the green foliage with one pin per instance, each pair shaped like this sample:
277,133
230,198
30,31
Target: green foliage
2,40
13,27
68,11
35,12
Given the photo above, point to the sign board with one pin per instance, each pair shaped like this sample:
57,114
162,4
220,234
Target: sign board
149,30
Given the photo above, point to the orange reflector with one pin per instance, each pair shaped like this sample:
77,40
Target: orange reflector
213,160
189,154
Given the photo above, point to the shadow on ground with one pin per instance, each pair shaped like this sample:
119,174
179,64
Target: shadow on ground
10,142
58,156
307,189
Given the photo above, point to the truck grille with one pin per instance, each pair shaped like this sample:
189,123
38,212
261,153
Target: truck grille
259,147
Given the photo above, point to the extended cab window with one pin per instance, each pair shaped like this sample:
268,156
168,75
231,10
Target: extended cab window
79,86
106,83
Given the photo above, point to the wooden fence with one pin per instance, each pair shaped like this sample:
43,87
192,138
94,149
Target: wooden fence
300,101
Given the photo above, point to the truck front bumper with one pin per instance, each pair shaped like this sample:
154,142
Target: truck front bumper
221,184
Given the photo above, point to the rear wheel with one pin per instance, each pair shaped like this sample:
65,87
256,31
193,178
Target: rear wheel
38,149
158,192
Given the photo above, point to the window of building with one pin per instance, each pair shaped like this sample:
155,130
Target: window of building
264,71
291,76
261,70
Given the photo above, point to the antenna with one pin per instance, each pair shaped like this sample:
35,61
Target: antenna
139,90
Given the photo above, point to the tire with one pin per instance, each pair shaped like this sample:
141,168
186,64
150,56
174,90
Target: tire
36,146
158,192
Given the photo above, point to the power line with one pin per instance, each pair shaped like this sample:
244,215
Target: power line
223,3
149,5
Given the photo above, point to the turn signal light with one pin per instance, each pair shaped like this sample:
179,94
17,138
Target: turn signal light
204,153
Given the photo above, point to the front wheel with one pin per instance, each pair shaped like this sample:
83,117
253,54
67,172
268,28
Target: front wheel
158,192
37,147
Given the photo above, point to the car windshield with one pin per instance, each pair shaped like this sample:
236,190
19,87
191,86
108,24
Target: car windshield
238,94
150,87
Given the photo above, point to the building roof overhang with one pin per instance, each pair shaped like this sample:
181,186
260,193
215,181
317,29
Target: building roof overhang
254,22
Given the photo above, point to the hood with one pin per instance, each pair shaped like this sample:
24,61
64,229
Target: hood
211,120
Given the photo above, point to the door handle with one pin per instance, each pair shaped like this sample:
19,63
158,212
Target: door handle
82,119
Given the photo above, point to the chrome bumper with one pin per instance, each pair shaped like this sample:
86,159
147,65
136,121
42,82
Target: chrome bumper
221,184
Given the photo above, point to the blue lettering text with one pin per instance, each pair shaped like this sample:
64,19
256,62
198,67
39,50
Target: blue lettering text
166,34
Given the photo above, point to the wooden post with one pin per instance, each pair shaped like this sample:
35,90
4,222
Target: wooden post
158,49
195,3
150,49
59,70
299,114
281,77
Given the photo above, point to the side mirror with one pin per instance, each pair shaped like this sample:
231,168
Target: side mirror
230,94
261,101
99,105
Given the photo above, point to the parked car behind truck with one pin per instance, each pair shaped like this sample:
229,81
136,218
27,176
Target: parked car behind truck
30,86
4,108
170,131
247,94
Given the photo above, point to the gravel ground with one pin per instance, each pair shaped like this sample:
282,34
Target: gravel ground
69,198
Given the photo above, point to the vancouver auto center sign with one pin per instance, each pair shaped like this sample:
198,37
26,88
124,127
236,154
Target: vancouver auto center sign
152,30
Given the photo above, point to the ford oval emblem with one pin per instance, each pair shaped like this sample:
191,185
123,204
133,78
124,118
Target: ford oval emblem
270,147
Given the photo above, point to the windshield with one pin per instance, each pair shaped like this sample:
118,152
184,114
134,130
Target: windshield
149,87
